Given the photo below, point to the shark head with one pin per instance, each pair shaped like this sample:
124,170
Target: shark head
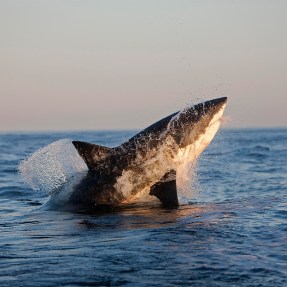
197,125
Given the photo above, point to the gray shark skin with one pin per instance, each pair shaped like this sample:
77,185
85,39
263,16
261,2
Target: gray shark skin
149,163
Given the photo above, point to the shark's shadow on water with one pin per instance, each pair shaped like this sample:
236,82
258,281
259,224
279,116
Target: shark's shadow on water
152,164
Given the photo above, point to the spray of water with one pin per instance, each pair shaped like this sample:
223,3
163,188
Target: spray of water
49,168
187,179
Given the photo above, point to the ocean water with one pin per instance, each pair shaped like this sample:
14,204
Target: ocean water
232,233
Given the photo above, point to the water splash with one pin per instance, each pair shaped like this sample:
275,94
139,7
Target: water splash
187,181
49,168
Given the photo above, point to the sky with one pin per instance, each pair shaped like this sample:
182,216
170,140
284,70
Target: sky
124,64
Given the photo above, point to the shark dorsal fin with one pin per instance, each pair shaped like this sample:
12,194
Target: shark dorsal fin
91,153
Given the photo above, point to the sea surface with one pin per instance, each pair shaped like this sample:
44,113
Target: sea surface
232,233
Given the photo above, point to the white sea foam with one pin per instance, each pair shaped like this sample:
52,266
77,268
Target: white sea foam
52,166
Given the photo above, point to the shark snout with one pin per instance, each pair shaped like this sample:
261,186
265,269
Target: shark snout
217,107
220,102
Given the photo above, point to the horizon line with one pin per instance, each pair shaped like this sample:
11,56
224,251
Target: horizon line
128,129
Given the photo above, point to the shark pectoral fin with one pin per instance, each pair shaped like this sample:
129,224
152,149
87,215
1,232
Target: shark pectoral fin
92,153
165,190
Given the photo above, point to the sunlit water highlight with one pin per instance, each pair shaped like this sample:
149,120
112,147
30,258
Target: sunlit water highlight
234,233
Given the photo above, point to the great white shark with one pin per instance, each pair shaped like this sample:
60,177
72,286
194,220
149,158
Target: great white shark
151,163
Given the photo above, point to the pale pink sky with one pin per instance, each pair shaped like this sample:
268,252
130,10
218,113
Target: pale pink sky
106,64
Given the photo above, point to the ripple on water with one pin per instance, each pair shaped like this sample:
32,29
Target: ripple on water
233,235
